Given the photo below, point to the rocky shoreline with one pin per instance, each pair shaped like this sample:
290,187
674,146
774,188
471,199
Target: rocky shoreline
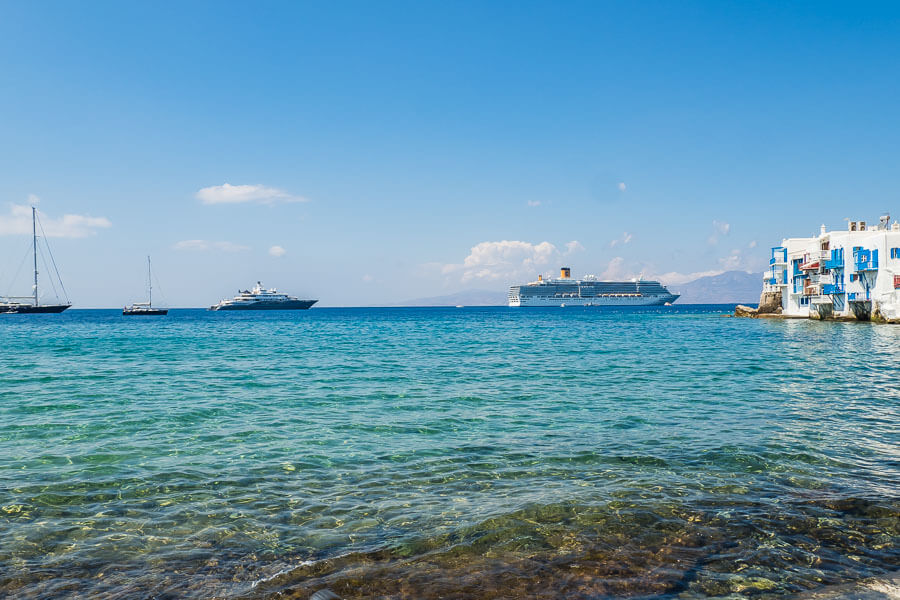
770,307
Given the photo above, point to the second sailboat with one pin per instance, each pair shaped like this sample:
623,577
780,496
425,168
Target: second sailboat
145,308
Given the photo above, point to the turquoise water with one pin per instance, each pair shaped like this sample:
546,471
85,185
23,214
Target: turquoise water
454,453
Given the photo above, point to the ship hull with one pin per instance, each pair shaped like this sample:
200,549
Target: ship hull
145,313
263,305
29,309
594,301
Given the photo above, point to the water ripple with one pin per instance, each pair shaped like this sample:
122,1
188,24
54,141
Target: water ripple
445,453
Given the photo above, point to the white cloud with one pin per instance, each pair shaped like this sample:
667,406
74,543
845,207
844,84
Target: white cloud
734,260
573,247
534,203
191,245
239,194
618,269
720,228
507,259
621,186
625,239
18,221
204,245
367,278
277,251
615,269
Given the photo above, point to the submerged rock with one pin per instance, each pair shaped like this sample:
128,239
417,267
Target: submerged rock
875,588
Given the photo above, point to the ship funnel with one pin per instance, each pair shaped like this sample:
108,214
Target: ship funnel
540,277
565,273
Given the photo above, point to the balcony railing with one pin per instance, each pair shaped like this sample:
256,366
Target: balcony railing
779,256
812,290
836,260
831,289
865,260
775,277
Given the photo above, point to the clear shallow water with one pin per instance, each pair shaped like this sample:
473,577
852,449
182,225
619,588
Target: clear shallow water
424,453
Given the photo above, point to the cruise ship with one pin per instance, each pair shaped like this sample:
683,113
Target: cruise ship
260,298
589,291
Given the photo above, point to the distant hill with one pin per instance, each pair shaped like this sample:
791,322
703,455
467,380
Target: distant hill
731,287
464,298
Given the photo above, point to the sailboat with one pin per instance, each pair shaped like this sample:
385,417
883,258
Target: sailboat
32,304
145,308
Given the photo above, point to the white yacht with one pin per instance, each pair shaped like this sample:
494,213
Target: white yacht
260,298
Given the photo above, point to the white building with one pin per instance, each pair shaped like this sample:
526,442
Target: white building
850,274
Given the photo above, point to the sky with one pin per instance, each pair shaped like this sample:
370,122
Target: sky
364,153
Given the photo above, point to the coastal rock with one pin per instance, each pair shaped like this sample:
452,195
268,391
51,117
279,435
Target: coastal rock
745,311
884,314
769,303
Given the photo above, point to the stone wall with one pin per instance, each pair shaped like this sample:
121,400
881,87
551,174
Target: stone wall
769,303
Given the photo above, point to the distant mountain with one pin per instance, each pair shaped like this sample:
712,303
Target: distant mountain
464,298
731,287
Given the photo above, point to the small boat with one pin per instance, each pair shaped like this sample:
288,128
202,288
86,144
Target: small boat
31,304
145,308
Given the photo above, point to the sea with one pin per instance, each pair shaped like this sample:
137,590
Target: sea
420,453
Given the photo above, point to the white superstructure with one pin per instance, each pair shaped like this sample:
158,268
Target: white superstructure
853,273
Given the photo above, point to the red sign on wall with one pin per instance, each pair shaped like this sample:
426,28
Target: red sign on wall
897,282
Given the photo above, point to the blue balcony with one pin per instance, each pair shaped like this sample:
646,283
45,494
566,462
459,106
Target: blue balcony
865,260
837,259
832,289
779,256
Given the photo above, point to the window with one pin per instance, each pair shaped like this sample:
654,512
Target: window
897,282
854,276
895,252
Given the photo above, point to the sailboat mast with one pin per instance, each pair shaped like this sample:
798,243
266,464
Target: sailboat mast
149,284
34,248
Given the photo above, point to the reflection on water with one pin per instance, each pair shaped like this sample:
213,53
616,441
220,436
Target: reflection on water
446,453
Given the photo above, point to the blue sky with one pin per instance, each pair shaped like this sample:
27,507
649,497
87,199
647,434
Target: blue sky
375,152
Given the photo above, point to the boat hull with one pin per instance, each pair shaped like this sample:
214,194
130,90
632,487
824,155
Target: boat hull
145,313
30,309
595,301
262,305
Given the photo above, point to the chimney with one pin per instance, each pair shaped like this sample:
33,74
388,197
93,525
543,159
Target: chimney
822,229
565,273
